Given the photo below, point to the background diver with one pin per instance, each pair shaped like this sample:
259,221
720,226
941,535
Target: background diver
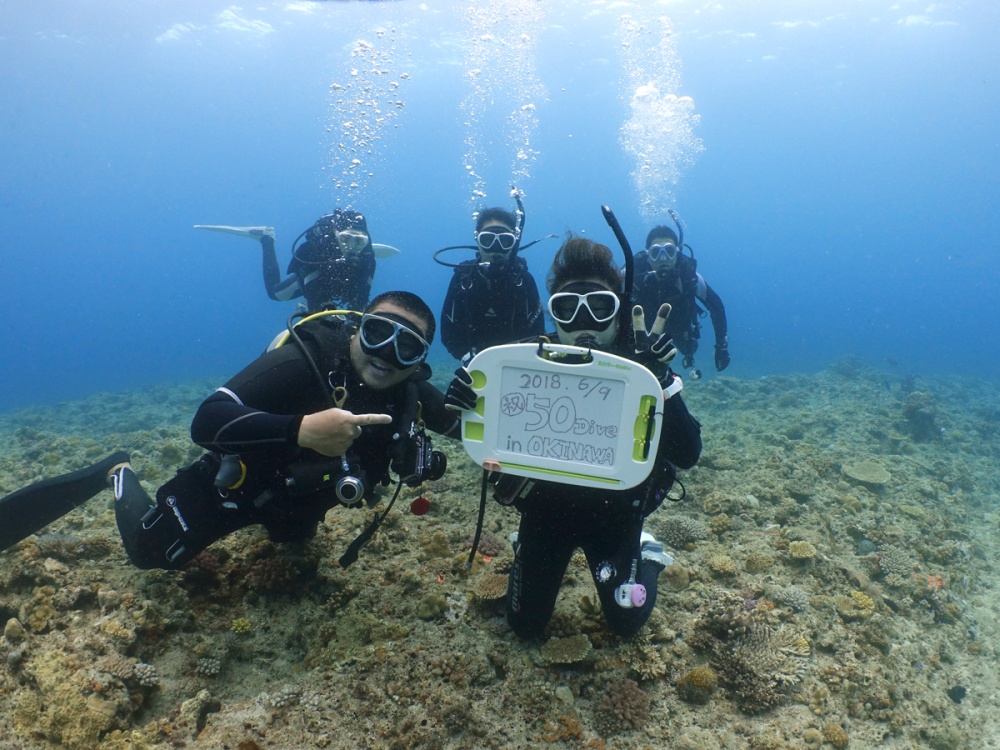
492,299
663,273
332,265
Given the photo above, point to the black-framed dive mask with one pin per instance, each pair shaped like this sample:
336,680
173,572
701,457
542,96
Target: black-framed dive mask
390,337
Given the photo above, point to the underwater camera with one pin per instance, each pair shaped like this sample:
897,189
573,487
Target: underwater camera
348,482
416,461
507,488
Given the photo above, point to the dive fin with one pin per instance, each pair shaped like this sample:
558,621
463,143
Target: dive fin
27,510
254,232
384,251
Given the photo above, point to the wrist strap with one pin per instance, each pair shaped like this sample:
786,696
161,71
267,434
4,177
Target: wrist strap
675,386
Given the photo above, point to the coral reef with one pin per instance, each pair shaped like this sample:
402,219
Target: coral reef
921,413
835,735
801,551
490,587
571,650
622,706
258,645
762,667
867,472
758,664
856,606
722,565
698,685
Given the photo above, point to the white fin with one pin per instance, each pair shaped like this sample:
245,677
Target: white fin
384,251
254,232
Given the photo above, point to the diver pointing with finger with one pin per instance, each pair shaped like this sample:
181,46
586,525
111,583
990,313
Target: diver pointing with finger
315,422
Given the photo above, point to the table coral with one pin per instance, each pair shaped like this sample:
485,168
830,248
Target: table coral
566,650
867,471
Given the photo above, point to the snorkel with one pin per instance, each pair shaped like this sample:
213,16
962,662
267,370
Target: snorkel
519,215
625,308
680,229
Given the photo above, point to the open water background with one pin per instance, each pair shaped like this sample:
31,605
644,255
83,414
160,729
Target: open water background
845,202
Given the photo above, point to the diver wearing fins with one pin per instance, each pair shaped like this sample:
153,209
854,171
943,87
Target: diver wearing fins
492,299
332,265
319,419
587,303
663,273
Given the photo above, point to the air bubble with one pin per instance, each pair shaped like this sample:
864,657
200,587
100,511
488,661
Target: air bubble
659,133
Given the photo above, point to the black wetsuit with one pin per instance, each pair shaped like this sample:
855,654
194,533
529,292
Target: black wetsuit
490,306
683,287
556,519
256,416
319,272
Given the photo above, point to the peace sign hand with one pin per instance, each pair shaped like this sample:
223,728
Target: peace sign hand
654,349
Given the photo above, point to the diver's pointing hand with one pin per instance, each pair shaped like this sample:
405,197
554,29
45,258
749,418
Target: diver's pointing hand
332,431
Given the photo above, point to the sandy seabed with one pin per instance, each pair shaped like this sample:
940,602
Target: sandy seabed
833,586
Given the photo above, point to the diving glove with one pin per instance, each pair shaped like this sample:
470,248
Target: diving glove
460,396
654,349
722,355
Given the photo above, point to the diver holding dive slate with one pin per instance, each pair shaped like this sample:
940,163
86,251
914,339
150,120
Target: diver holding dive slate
583,437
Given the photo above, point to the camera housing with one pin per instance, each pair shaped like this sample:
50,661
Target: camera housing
344,476
507,488
417,461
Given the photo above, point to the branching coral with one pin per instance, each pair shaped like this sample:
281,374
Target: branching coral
759,666
762,667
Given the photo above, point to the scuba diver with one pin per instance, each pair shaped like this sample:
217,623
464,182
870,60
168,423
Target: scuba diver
332,265
589,308
492,299
663,273
319,419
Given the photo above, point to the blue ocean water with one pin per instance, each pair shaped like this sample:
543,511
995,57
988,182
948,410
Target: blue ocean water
844,202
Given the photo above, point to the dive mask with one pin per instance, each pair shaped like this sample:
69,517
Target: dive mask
663,251
591,310
378,331
490,241
352,241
